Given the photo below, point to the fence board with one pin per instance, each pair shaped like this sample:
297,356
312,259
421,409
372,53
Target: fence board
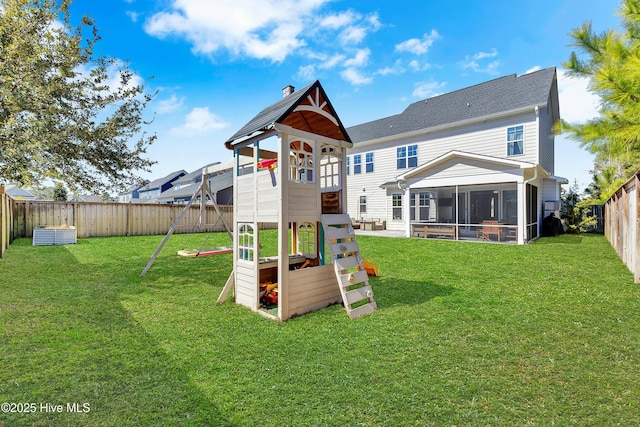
6,222
622,213
113,219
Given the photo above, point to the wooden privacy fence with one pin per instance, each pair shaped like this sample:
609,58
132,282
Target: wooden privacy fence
621,216
114,219
5,221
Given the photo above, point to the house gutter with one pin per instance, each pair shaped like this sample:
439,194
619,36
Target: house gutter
447,126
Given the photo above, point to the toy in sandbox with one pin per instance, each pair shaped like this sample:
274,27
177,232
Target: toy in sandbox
295,187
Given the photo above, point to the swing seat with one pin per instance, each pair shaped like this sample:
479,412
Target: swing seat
205,252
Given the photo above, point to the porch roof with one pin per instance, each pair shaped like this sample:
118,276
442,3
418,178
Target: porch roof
463,155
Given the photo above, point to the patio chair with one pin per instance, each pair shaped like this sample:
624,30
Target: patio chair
490,228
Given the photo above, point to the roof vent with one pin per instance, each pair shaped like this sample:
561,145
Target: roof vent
287,90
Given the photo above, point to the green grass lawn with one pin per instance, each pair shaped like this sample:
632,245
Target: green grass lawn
466,334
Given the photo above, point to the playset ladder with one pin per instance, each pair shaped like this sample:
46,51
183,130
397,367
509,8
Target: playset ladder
353,280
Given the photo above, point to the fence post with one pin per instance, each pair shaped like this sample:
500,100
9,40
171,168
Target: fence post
4,219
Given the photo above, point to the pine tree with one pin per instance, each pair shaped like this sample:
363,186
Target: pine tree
612,63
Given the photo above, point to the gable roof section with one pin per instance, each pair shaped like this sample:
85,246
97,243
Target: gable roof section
307,109
492,98
463,155
158,183
18,193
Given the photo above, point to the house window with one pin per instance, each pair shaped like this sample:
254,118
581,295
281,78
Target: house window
363,204
515,140
307,239
357,164
368,162
407,157
301,162
245,242
401,157
412,156
348,165
396,203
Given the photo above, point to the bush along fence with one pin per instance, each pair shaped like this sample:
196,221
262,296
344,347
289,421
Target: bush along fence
114,219
621,215
5,221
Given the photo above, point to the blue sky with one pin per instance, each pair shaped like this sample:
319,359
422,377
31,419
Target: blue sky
216,63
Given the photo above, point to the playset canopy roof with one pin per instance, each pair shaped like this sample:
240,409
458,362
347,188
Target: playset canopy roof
307,109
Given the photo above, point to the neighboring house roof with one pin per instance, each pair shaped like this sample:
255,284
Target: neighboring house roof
18,193
157,183
87,198
495,97
135,187
194,176
213,168
307,109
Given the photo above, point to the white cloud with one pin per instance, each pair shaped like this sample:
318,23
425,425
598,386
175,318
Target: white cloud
353,35
170,105
474,62
483,55
265,29
331,62
396,69
428,89
339,20
132,15
306,73
533,69
416,65
199,121
355,77
577,104
360,59
418,46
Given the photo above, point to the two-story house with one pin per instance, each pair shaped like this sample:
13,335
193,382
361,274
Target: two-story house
473,164
151,191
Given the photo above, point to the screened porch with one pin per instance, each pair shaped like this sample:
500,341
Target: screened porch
475,212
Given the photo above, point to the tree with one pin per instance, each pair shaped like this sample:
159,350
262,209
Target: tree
60,193
612,64
576,211
60,116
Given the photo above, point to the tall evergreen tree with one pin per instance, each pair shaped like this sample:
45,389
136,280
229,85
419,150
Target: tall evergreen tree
611,60
61,117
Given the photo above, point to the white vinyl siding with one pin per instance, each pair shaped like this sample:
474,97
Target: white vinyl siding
488,138
546,141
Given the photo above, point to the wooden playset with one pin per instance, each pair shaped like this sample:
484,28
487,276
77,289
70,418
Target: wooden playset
296,184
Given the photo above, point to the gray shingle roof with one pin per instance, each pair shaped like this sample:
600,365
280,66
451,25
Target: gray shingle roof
157,183
497,96
270,114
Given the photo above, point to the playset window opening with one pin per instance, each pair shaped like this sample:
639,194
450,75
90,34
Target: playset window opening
246,239
306,239
301,162
329,168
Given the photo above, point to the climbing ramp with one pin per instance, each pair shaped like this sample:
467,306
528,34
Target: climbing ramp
353,280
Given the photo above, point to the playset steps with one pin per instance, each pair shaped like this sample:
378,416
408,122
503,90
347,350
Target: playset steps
356,292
